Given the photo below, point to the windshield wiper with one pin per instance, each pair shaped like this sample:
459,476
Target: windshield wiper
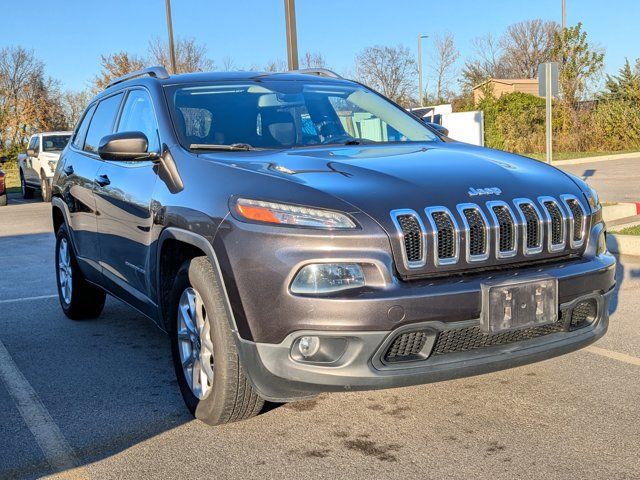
211,146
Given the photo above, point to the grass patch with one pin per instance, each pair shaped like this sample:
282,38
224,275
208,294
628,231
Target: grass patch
629,231
559,156
12,176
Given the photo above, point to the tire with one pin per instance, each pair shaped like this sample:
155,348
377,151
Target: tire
27,192
3,200
78,298
228,396
45,189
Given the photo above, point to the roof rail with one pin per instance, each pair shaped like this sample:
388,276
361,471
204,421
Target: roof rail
155,72
321,72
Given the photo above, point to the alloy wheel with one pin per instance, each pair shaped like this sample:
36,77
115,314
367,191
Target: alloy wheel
194,343
65,272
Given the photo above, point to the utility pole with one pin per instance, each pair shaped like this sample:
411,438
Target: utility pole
172,50
420,92
564,14
292,36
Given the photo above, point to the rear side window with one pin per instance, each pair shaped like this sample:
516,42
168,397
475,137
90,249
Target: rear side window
102,122
81,131
138,116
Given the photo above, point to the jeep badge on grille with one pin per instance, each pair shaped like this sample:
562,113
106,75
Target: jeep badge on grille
474,192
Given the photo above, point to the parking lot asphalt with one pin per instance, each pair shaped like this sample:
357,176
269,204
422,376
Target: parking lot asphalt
615,180
101,396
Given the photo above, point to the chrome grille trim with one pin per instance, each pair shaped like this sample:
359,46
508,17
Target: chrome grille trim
573,242
519,202
515,226
462,208
549,220
430,211
401,237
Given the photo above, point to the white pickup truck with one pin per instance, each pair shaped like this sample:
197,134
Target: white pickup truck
39,162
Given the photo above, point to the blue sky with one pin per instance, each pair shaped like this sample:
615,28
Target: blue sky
70,35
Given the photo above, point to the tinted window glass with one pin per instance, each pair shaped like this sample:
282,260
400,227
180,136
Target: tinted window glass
55,143
138,116
32,142
81,131
102,122
36,144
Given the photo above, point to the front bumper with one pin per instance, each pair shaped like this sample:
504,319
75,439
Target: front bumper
279,377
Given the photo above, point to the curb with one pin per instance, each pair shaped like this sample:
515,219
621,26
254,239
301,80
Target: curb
620,210
623,244
601,158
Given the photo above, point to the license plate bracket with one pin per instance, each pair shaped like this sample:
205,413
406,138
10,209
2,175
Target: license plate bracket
518,304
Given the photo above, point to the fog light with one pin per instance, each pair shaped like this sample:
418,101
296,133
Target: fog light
328,277
309,346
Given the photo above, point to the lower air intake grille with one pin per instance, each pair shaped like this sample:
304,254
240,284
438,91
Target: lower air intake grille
412,236
445,234
506,232
578,219
477,232
533,225
407,347
583,314
557,224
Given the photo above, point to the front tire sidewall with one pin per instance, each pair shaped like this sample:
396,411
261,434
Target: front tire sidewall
3,200
27,193
45,189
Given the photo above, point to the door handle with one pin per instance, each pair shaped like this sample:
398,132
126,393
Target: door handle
68,170
103,180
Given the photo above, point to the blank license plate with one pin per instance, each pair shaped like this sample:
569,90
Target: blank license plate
514,305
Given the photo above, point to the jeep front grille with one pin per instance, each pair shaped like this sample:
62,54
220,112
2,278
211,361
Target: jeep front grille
497,230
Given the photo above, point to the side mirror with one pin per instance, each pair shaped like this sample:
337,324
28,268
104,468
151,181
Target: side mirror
3,159
438,128
31,152
125,146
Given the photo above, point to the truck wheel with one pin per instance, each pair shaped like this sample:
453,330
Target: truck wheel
3,200
45,189
27,192
211,377
78,298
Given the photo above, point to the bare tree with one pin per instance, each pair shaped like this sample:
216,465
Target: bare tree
228,64
190,56
486,64
116,65
526,45
390,70
313,60
277,65
73,104
443,60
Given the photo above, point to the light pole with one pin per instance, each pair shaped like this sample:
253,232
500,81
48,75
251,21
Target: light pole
292,36
420,92
172,50
564,14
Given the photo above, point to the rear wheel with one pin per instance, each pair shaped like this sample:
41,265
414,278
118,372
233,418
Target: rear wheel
78,298
45,189
27,192
211,377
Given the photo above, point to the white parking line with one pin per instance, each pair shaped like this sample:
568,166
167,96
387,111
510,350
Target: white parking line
54,446
28,299
621,357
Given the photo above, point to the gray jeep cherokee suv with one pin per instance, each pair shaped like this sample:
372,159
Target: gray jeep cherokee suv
298,233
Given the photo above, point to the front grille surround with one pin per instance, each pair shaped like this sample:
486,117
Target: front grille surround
471,231
410,263
498,231
437,235
555,219
577,220
522,204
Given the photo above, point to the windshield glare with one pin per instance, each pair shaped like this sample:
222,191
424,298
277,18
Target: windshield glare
55,143
287,114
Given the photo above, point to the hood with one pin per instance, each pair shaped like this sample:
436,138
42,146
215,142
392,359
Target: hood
380,178
55,155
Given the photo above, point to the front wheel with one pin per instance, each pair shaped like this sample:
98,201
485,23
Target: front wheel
27,192
78,298
211,377
45,189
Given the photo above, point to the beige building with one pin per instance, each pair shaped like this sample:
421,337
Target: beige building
500,86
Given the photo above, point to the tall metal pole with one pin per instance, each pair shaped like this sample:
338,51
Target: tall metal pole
420,91
292,35
172,50
564,14
548,93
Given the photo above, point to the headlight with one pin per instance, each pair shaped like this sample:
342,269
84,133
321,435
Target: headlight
52,165
285,214
594,200
319,278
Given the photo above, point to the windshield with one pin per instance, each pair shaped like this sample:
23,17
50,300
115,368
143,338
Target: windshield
287,114
54,143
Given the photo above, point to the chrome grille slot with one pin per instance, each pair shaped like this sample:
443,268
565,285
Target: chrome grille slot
506,235
556,223
411,231
445,235
577,220
476,232
533,232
